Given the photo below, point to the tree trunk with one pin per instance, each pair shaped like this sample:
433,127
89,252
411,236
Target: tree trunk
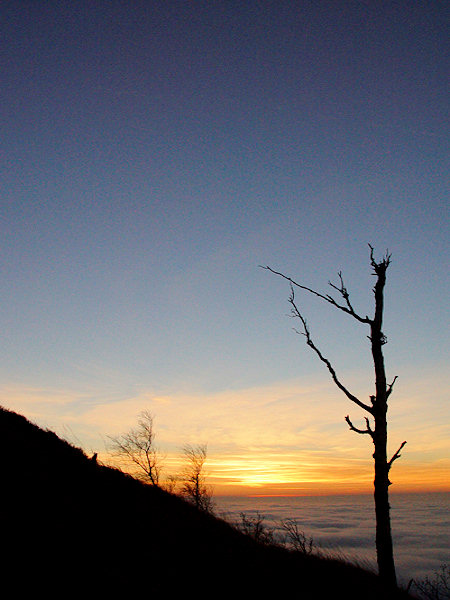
384,545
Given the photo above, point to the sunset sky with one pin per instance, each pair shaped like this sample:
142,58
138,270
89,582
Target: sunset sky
153,156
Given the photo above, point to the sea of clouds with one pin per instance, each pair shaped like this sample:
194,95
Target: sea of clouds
345,525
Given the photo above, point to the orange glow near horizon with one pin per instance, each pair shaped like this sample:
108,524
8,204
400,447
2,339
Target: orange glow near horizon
291,476
332,488
280,440
303,474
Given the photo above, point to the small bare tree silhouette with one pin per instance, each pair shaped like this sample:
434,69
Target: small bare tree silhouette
254,527
138,448
194,487
296,538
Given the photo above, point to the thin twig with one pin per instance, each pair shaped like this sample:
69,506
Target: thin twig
347,309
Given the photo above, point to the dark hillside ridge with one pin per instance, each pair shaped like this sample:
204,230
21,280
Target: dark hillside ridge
72,527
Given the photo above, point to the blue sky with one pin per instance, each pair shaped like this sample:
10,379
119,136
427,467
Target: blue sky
155,154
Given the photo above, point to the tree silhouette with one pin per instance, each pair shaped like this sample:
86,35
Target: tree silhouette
194,487
377,409
138,447
254,527
296,538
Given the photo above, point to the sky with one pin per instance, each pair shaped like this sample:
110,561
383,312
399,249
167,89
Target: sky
154,155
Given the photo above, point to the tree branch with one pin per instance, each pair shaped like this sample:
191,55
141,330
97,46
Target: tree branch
342,290
396,455
344,293
311,344
368,429
390,386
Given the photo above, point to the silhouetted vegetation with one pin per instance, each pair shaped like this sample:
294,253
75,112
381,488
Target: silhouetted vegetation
254,527
433,588
194,487
378,407
74,527
137,447
139,456
296,538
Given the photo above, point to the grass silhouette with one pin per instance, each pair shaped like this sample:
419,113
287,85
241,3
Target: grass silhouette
71,526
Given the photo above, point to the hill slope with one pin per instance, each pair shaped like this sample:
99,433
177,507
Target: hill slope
71,526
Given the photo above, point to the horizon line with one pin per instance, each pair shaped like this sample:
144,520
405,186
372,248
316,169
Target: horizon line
316,495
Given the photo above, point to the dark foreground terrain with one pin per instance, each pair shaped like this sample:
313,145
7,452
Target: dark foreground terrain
74,528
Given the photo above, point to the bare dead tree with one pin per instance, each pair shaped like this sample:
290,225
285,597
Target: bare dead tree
194,487
376,421
435,588
138,448
296,538
254,527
